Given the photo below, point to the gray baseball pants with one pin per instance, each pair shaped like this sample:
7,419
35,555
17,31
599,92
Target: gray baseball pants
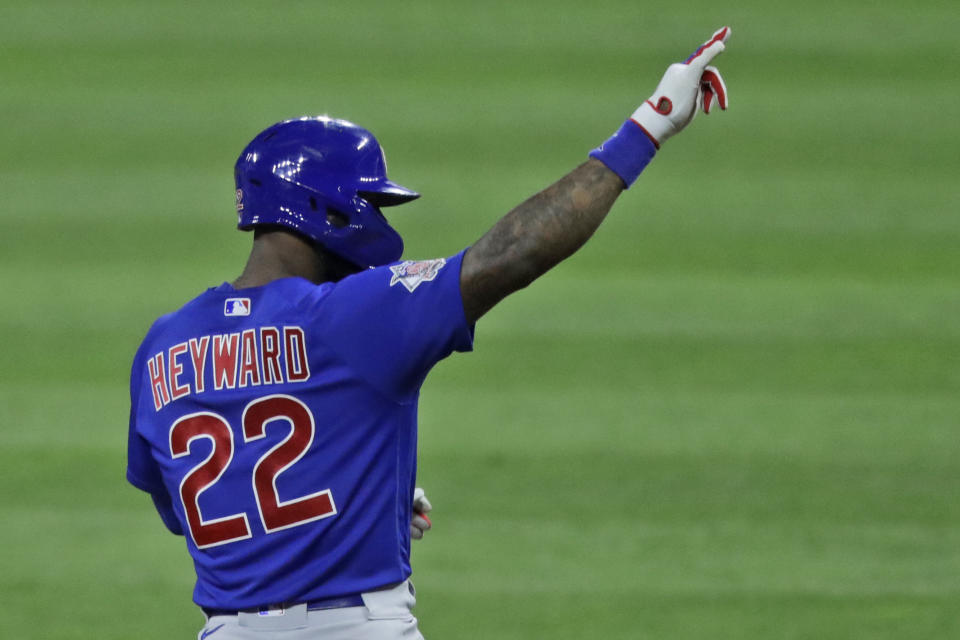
386,615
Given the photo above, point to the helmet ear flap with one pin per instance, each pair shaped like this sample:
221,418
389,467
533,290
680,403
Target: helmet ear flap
334,216
337,219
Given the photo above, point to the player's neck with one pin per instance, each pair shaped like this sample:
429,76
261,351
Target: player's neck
278,254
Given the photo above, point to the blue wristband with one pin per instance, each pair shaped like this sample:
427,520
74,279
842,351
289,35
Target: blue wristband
627,152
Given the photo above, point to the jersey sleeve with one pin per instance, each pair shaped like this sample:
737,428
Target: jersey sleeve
392,324
142,471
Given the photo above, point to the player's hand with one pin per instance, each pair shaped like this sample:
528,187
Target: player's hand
420,523
685,88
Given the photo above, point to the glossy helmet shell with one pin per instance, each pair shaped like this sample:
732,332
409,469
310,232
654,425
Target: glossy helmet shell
296,172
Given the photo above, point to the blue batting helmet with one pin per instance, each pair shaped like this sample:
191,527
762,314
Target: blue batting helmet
326,179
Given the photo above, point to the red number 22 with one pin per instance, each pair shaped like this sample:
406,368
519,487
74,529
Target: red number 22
274,513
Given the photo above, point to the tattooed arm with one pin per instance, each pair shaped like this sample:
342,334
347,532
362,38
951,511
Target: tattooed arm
536,235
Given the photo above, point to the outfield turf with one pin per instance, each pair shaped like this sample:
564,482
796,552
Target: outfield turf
733,415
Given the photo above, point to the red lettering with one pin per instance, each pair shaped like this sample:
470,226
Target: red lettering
277,514
158,381
176,389
198,353
248,363
182,434
295,350
225,361
270,354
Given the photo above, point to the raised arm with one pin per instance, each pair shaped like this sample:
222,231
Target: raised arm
536,235
553,224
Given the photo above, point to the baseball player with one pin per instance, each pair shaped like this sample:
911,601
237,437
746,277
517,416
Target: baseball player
273,419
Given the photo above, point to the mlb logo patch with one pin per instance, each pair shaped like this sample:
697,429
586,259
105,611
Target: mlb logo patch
412,274
236,307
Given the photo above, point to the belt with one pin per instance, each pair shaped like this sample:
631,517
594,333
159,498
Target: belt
339,602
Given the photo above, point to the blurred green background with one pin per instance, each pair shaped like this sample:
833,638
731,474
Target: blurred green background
734,414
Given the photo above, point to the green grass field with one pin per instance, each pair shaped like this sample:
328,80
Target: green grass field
733,415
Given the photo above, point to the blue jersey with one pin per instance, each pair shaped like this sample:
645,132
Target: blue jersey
276,428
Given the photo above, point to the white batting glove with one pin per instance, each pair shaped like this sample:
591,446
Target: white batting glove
685,88
420,523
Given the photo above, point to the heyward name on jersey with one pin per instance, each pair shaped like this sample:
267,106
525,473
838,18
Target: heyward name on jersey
252,357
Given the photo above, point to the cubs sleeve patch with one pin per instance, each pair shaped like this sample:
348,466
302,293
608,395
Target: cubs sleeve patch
411,274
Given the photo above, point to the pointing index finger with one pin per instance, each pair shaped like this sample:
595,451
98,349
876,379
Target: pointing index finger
709,49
